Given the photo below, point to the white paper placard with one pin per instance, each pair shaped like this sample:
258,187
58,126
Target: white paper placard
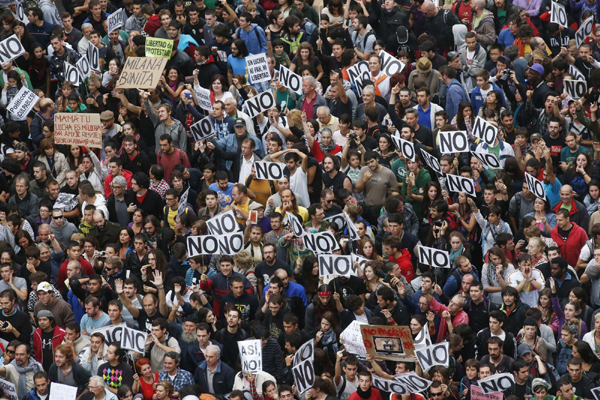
258,68
22,103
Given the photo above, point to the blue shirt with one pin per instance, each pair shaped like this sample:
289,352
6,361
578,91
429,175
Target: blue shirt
553,192
238,65
506,38
424,117
225,197
88,324
293,290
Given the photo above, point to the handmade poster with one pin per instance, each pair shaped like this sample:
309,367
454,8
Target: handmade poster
384,342
78,129
141,73
156,47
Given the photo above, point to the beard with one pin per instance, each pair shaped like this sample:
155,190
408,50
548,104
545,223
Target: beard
189,337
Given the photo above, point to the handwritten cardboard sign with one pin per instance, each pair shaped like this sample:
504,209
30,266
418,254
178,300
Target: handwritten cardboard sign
393,343
161,48
78,129
141,73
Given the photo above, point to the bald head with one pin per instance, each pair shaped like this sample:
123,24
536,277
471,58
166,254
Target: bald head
428,7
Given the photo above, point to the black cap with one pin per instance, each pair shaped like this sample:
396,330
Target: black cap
402,34
239,122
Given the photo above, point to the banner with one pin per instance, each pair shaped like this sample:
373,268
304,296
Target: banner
272,171
223,223
251,355
338,219
389,386
353,341
22,103
135,340
78,129
156,47
10,391
258,68
331,264
115,20
477,394
393,343
10,48
202,130
229,244
111,333
413,382
141,73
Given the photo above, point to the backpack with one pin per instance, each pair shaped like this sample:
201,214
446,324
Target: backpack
365,38
237,34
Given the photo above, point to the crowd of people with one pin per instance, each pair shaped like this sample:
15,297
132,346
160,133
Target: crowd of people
93,239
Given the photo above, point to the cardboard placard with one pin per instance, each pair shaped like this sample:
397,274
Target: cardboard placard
584,31
352,338
230,244
83,66
339,219
202,130
485,131
272,171
260,103
156,47
132,339
413,382
223,223
558,14
352,231
390,65
58,391
141,73
489,160
535,186
575,89
406,148
115,20
19,10
183,202
331,264
384,342
9,389
453,142
321,243
423,339
477,394
434,257
78,129
431,161
459,184
93,55
290,79
389,386
251,355
305,352
203,96
595,392
431,356
258,68
111,333
304,376
72,74
296,225
10,48
359,72
573,70
497,383
22,103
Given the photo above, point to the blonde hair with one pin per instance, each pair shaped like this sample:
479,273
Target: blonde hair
243,260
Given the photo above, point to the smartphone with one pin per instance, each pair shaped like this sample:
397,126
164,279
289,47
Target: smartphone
188,95
254,216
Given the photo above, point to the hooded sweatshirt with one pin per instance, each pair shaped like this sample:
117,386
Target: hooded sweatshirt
63,233
486,28
50,11
134,23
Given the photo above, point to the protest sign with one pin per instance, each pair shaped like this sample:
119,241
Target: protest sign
389,386
93,55
488,160
338,219
393,343
258,68
271,171
203,96
353,341
72,74
78,129
304,376
413,382
558,14
359,72
22,103
141,73
535,186
406,148
66,202
595,392
58,391
389,64
290,79
132,339
115,20
222,224
330,264
423,339
230,244
260,103
497,383
251,355
83,66
10,48
433,355
183,202
321,243
575,89
485,131
585,30
156,47
202,130
431,161
453,142
296,225
111,333
434,257
10,391
459,184
352,231
362,261
305,352
19,11
477,394
576,73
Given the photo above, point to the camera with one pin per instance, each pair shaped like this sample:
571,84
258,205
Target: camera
439,223
592,97
379,273
506,74
353,136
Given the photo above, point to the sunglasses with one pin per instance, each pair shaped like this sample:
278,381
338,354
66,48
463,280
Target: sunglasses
59,217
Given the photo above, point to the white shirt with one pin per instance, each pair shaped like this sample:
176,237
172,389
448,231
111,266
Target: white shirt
299,185
246,169
529,294
384,86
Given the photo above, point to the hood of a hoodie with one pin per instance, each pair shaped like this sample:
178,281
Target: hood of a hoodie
487,15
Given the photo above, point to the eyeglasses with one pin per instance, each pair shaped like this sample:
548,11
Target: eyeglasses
10,351
329,201
435,394
57,217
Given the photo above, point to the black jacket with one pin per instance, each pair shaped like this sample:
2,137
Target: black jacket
80,375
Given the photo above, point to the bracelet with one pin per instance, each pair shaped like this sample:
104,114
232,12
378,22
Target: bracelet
160,287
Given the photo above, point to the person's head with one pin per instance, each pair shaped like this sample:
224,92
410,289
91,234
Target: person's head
564,388
64,355
495,348
471,41
510,296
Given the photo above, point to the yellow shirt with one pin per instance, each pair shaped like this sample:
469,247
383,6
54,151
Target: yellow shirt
303,212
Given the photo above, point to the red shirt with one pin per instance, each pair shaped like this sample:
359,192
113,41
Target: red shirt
307,107
405,264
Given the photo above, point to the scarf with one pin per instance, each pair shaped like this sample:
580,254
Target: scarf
281,58
327,148
455,254
33,366
491,274
330,338
363,394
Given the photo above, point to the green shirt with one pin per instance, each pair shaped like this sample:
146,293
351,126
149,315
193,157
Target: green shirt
418,190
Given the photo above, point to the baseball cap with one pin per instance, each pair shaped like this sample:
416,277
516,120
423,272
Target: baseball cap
452,55
537,68
535,136
44,287
523,349
239,122
106,115
402,34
